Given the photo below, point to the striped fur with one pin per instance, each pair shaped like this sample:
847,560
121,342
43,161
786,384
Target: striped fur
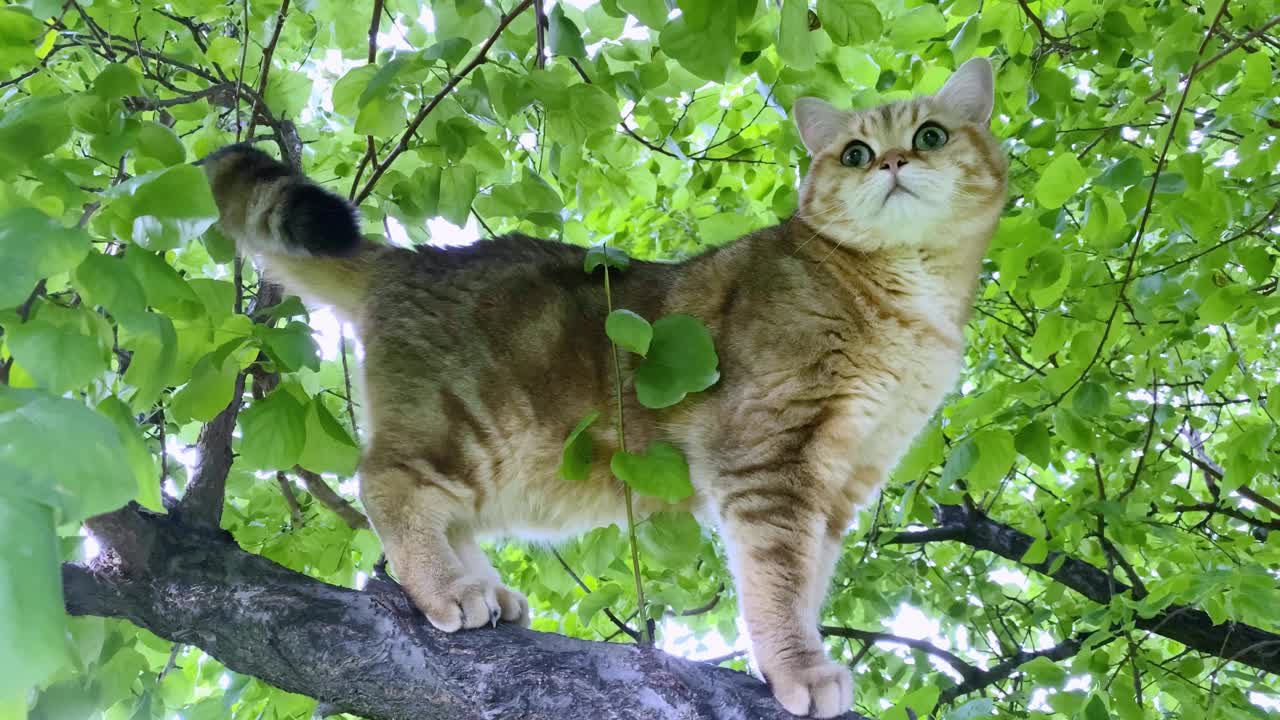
838,332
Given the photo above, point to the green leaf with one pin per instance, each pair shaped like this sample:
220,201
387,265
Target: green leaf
598,255
290,347
287,92
159,142
706,50
1096,709
33,247
457,191
105,280
564,36
1037,553
850,22
669,539
794,45
140,459
31,128
575,458
584,111
979,708
273,432
32,619
208,391
38,429
629,331
917,24
116,81
166,290
348,90
1059,181
154,344
329,447
450,50
995,457
162,210
681,359
597,600
1044,671
661,471
382,116
650,12
1032,441
59,347
1090,400
960,461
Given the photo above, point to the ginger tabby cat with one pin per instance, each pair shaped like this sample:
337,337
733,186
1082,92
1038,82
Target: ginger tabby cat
839,332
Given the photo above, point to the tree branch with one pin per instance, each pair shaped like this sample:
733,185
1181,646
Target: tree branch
1194,628
326,496
371,654
966,670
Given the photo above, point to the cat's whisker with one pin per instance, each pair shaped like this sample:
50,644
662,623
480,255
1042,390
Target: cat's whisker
845,209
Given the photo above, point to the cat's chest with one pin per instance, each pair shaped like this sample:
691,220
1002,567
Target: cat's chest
890,383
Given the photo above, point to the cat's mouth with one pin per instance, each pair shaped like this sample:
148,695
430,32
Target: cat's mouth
897,190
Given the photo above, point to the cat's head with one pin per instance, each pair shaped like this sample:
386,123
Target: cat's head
924,172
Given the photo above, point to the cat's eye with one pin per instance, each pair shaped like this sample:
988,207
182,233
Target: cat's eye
856,154
930,136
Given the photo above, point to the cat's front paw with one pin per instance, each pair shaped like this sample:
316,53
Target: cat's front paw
515,607
472,602
823,689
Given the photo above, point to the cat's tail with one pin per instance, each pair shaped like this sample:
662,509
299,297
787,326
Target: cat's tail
304,236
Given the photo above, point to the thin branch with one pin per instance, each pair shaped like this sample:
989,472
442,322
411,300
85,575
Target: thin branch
1240,42
1146,211
290,499
327,497
1008,667
418,118
965,669
622,626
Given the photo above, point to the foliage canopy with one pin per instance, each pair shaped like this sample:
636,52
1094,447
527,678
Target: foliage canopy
1121,362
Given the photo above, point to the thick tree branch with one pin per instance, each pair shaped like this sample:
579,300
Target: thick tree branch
371,654
1008,667
1194,628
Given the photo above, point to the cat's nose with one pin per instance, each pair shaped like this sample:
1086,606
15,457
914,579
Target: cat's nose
893,161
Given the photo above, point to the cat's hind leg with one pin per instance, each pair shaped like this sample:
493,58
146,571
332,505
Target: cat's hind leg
782,553
416,512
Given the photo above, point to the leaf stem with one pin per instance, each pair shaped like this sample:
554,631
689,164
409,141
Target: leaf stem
646,636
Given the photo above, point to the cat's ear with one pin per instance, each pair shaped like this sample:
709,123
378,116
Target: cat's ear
819,122
970,91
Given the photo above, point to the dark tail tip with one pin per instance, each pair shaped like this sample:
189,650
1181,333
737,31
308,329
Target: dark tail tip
320,222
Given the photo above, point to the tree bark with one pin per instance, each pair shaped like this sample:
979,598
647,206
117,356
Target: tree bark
370,653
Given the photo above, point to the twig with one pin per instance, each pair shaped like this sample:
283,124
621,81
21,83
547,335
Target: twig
418,118
327,497
290,499
622,627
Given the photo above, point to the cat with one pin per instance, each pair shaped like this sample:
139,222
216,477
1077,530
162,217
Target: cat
839,332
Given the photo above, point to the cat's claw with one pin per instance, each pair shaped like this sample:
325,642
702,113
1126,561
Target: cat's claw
475,602
822,690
